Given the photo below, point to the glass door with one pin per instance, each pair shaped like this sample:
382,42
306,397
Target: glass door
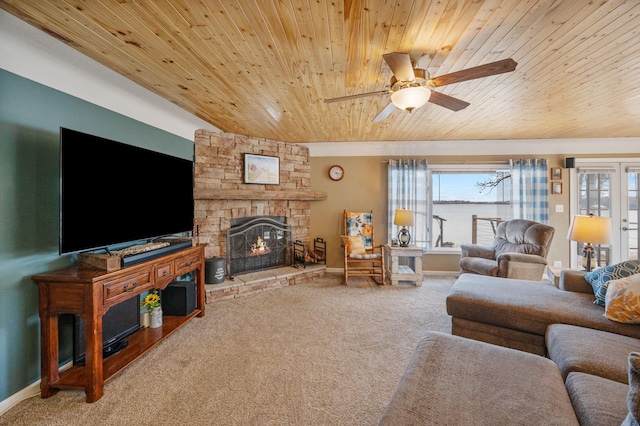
629,220
608,189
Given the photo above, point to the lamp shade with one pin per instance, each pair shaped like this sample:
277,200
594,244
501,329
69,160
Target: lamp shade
590,229
403,217
410,98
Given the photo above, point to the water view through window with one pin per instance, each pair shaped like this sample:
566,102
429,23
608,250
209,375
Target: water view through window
458,196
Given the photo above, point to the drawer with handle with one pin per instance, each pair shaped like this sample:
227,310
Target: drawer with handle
187,263
138,282
164,273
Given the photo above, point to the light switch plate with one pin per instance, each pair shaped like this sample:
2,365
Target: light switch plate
559,208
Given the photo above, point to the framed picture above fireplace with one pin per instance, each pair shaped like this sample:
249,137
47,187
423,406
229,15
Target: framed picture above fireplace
262,169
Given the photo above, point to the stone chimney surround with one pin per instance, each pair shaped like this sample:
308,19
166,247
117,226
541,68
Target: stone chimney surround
221,194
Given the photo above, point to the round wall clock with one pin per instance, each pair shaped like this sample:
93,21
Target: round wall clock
336,172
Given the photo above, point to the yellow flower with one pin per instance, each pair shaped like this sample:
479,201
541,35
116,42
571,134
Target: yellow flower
152,300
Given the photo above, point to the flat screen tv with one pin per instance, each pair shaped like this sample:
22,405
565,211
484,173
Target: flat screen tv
114,193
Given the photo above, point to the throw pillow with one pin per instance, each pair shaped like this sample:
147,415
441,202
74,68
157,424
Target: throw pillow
599,278
354,243
622,302
633,396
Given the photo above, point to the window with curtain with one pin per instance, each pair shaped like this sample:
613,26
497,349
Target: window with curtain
408,186
460,204
530,189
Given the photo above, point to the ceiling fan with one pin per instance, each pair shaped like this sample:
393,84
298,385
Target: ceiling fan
412,87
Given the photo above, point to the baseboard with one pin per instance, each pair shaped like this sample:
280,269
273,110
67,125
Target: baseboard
439,273
26,393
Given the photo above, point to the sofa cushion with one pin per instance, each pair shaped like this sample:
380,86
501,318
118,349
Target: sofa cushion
597,401
633,397
601,276
622,301
451,380
573,280
527,306
500,336
590,351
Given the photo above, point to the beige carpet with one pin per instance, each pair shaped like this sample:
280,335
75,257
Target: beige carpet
313,354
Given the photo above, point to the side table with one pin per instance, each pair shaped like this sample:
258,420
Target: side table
396,272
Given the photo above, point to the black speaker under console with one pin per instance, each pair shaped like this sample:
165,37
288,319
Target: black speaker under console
179,298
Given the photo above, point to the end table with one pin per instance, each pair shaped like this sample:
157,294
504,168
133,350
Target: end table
411,272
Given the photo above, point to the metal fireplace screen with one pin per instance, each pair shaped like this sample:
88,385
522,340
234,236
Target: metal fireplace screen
258,243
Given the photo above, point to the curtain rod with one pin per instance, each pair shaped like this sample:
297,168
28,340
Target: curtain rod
461,162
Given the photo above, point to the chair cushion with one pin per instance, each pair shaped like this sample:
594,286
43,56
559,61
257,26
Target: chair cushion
622,301
523,236
479,265
368,256
360,223
354,244
601,276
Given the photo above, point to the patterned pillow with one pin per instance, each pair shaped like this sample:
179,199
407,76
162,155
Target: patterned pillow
355,244
599,278
622,302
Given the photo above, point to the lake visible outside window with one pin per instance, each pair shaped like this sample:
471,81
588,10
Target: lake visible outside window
458,196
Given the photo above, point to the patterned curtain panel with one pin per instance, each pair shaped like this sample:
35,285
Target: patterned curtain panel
530,189
408,188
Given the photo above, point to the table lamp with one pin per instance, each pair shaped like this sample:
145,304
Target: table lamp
403,218
590,230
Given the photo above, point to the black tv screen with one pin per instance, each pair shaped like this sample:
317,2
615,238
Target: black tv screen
113,193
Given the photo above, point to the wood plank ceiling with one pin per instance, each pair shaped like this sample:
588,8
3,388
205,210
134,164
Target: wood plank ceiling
263,68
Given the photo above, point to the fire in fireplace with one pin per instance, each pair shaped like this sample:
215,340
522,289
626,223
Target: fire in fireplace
258,243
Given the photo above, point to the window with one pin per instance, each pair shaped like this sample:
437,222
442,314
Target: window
467,203
452,205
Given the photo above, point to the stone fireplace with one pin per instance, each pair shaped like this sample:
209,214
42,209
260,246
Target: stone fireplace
258,243
222,198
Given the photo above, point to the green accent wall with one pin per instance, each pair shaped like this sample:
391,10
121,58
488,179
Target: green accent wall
30,118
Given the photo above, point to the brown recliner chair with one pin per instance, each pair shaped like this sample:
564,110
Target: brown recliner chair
519,251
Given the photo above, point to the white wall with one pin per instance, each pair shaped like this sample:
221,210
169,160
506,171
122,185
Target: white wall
33,54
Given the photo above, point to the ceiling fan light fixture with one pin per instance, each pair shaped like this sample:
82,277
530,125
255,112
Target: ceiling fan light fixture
410,98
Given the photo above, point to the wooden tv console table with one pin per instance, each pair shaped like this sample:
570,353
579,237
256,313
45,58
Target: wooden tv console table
89,293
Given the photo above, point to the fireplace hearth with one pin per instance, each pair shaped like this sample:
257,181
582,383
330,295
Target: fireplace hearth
258,243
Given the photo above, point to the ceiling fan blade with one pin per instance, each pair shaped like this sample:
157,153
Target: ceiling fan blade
486,70
400,64
361,95
384,113
447,101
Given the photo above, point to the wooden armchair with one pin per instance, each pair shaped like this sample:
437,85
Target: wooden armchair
361,257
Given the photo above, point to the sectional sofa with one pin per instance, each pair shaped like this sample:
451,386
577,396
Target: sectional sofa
523,352
516,313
